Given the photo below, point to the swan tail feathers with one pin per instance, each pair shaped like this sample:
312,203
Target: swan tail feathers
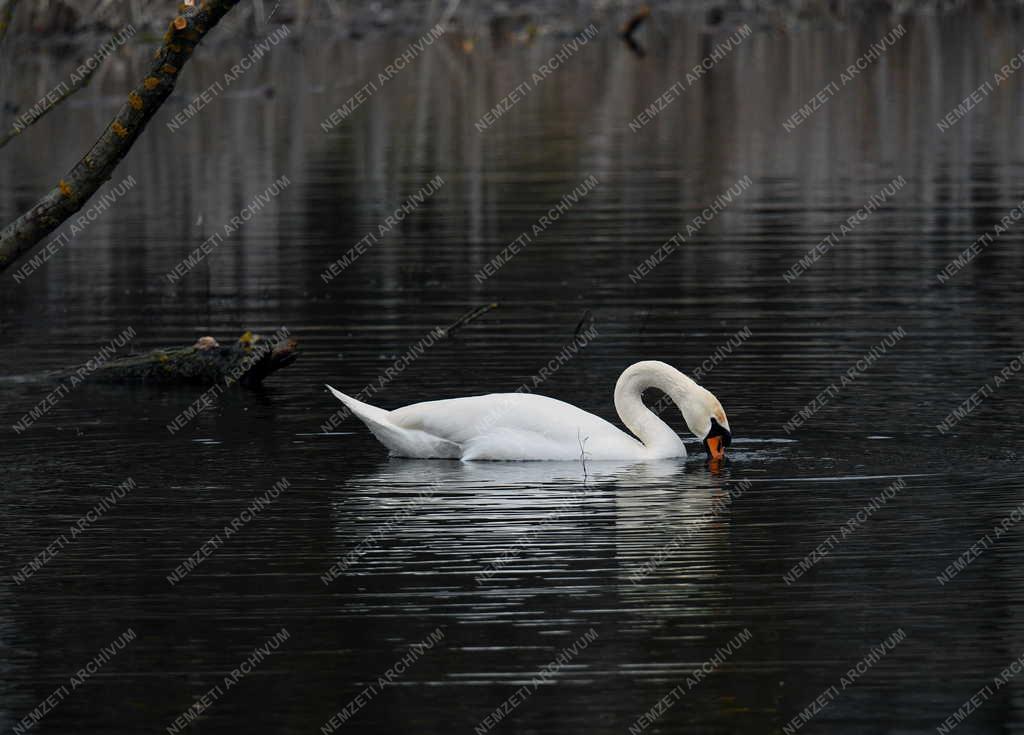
364,411
401,441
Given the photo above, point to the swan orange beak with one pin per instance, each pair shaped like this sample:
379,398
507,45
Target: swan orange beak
716,447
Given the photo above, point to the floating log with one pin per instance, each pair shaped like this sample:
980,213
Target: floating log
246,362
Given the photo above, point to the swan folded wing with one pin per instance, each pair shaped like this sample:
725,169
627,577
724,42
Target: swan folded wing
515,426
517,444
413,443
465,419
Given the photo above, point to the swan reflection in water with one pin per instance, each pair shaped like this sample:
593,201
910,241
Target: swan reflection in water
439,515
454,475
518,555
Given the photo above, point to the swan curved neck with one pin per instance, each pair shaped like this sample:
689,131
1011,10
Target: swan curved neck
655,434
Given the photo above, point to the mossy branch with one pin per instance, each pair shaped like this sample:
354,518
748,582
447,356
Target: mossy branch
246,362
97,166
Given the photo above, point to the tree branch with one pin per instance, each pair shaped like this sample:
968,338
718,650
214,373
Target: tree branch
97,166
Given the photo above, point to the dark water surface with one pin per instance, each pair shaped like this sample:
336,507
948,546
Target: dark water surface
513,563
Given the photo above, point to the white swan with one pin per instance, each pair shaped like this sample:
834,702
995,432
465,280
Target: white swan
524,426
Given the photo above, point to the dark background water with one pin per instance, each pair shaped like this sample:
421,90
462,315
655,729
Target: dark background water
575,538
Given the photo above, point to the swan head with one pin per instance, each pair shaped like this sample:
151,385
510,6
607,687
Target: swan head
702,412
706,418
717,439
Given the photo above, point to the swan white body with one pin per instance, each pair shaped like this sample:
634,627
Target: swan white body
523,426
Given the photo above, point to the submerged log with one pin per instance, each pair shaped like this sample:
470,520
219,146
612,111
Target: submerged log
247,362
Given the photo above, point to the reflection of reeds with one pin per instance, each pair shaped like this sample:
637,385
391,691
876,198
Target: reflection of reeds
576,121
56,17
62,16
528,19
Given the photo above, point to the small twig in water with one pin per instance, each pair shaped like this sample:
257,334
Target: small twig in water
629,28
647,315
635,21
470,316
583,453
586,320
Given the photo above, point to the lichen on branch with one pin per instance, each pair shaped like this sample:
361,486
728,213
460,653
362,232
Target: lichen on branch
73,190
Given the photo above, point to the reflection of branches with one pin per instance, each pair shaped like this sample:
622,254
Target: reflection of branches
6,13
73,191
6,16
67,90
